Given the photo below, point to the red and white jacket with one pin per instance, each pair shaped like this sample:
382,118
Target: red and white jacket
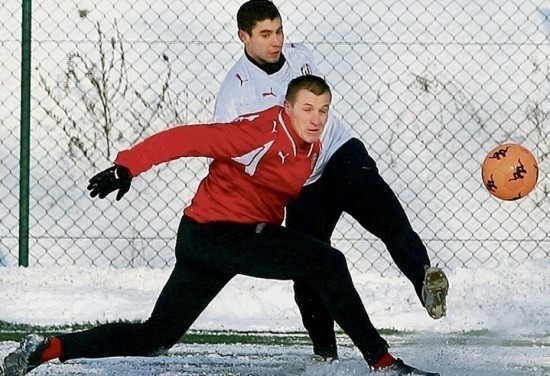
259,165
247,88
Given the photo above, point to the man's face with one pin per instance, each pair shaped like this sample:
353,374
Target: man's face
308,114
266,42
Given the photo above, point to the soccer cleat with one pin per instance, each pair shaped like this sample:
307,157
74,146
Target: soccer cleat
327,353
434,292
26,357
318,359
399,368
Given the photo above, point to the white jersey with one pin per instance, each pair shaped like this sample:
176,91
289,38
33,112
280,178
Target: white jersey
247,89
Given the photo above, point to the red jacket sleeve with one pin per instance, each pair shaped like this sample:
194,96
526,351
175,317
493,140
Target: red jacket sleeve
218,141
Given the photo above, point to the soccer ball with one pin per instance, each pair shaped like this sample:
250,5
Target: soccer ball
510,171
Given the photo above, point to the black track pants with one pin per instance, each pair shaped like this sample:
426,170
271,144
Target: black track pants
207,257
351,183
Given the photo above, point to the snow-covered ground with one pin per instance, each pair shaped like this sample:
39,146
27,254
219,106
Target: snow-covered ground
468,356
497,321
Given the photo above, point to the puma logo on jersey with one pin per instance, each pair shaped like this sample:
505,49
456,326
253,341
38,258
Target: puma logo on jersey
270,93
251,159
247,117
274,129
241,80
283,156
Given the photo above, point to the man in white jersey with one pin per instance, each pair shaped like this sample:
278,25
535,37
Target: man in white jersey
345,179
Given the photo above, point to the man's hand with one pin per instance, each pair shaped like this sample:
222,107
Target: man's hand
110,180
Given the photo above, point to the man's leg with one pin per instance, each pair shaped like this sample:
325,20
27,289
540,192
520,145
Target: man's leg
317,321
313,214
359,190
351,183
275,252
186,294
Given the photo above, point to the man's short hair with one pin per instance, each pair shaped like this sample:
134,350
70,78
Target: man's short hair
254,11
315,84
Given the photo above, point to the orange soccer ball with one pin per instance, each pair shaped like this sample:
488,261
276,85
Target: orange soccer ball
510,171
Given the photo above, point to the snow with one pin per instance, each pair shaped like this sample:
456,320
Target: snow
496,318
511,299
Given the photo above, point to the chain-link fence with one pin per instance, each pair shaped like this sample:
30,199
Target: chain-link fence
430,87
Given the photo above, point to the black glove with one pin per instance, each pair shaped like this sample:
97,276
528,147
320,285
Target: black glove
112,179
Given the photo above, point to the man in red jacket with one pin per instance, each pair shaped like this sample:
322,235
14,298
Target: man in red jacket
232,226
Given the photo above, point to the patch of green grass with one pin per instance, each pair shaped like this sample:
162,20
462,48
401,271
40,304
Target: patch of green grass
14,332
247,337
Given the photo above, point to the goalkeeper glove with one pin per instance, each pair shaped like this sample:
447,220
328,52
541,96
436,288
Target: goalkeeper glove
112,179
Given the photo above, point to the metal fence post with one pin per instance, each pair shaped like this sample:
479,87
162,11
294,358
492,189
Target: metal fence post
24,172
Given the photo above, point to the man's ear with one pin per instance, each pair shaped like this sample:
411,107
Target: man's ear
287,106
243,36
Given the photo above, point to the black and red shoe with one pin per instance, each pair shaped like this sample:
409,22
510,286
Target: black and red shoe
26,357
388,365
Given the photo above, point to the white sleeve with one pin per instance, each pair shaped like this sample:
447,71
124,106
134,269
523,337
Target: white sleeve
227,101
